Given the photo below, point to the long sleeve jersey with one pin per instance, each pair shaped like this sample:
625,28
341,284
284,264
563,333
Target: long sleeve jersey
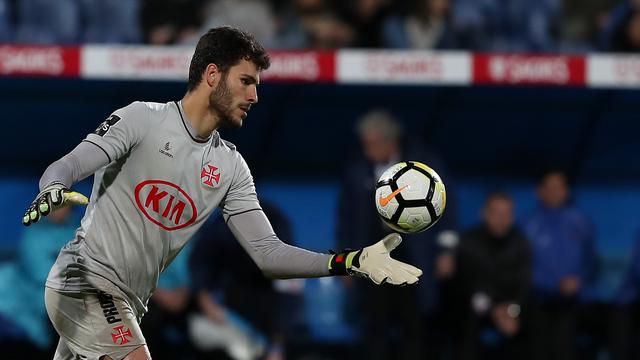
155,184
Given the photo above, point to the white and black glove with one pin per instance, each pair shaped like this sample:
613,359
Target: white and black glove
375,263
54,196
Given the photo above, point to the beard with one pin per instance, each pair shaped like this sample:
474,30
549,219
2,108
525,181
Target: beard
221,104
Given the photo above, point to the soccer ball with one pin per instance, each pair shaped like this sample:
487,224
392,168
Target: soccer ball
410,197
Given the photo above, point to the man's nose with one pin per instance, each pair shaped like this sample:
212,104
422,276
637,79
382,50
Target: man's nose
252,95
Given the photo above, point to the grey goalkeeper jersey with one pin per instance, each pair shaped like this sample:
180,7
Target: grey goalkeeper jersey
159,185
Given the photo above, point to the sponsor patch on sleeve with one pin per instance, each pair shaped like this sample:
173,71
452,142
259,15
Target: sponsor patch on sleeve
106,125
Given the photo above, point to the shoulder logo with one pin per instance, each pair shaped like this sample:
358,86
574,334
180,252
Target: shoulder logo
165,149
107,124
208,175
165,204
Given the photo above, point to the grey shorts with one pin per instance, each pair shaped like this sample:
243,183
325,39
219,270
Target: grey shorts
92,325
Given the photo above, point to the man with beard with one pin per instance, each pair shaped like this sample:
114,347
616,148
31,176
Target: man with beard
160,170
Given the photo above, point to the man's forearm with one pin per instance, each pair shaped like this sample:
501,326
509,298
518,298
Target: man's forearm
81,162
275,258
279,260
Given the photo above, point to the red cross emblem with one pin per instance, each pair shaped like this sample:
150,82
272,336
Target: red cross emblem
121,335
208,176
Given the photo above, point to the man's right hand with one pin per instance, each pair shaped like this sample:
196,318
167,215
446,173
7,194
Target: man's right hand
54,196
375,263
504,320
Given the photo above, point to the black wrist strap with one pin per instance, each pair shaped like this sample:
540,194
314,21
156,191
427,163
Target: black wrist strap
341,262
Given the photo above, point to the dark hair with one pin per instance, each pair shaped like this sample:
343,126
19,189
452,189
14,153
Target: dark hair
552,171
225,46
497,195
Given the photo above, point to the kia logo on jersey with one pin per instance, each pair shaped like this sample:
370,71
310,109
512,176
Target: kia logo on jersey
165,204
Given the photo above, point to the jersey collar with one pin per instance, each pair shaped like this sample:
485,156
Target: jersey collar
192,132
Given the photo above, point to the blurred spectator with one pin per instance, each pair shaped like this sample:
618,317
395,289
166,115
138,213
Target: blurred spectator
472,19
228,285
582,22
508,25
165,325
6,21
541,25
427,26
25,331
49,22
76,21
254,16
111,21
562,242
487,25
166,22
366,18
312,24
493,276
621,31
383,312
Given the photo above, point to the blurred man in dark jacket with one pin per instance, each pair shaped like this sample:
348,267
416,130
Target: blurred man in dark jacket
493,276
410,309
563,249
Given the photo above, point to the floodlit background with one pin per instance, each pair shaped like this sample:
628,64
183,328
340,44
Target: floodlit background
492,94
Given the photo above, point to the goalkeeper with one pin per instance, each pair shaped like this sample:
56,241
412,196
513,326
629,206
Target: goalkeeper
159,171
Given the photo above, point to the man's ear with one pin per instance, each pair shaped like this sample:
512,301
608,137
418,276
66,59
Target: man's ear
211,75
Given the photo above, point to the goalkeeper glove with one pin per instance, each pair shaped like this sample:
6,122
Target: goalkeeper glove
50,198
375,263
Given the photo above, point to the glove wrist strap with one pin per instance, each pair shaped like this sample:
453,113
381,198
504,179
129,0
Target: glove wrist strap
53,185
341,263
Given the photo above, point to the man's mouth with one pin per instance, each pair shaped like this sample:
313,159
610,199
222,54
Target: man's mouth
245,110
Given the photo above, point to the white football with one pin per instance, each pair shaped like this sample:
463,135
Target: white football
410,197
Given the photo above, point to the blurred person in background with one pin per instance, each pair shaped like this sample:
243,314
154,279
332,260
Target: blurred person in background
25,331
621,30
426,25
229,288
582,23
562,243
254,16
165,22
308,24
77,21
517,25
165,325
366,18
411,311
493,277
48,22
111,21
7,26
